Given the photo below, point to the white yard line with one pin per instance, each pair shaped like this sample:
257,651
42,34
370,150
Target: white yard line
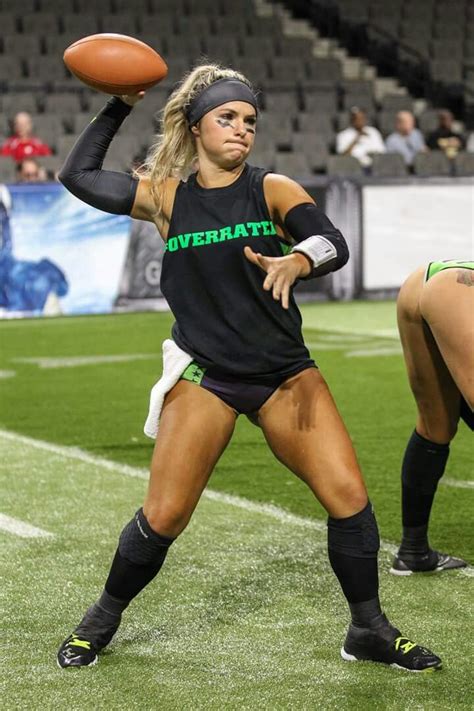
237,501
76,361
22,529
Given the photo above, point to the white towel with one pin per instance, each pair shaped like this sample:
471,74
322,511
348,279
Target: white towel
175,362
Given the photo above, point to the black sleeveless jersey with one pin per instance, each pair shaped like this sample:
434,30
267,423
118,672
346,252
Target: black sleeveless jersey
224,318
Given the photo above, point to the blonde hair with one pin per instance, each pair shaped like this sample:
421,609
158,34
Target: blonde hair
173,152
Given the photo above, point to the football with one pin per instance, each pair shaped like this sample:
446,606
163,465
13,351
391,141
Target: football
115,64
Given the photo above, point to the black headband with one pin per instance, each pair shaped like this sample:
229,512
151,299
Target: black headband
220,92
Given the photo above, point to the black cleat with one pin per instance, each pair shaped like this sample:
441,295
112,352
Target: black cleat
385,644
432,561
94,632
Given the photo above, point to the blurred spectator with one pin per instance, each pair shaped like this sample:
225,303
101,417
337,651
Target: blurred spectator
23,144
359,140
406,139
445,138
30,171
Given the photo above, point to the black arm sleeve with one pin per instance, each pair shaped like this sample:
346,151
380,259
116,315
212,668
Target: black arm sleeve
306,220
82,172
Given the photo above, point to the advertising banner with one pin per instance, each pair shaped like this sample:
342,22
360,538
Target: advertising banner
57,254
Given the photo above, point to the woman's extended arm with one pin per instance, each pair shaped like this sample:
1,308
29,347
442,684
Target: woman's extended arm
82,173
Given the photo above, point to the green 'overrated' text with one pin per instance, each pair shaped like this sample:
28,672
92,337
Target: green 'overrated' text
199,239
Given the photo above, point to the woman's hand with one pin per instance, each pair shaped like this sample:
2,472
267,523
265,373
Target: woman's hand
132,99
282,272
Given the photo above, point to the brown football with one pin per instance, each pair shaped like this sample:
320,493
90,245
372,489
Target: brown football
115,64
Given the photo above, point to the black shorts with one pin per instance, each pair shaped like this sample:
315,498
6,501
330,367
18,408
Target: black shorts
243,397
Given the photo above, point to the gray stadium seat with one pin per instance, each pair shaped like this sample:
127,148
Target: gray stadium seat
388,165
319,123
124,23
285,71
52,165
282,102
42,23
161,25
13,102
432,163
262,157
446,49
197,26
224,50
324,101
295,165
280,128
11,67
64,145
464,164
65,104
7,170
234,26
48,127
325,69
189,46
314,146
447,71
344,166
397,102
428,120
90,6
46,67
82,24
254,69
262,47
386,121
139,6
22,45
12,6
168,6
295,46
8,23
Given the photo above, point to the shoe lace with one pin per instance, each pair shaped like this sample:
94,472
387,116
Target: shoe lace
76,642
406,647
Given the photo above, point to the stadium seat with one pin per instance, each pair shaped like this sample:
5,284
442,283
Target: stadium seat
285,71
230,26
224,50
324,101
464,164
432,163
7,170
12,6
124,23
11,67
162,7
198,26
8,23
41,23
397,102
388,165
159,25
263,157
139,6
344,166
314,146
12,102
295,165
22,45
294,46
280,128
428,120
52,165
261,47
83,24
282,102
318,123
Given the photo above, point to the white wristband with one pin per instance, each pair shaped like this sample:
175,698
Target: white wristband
319,249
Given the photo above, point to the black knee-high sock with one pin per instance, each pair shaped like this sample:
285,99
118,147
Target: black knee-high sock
353,544
140,554
423,466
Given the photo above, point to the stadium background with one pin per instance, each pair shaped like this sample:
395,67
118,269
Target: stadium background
252,618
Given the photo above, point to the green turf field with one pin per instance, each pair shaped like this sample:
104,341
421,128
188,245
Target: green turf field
246,613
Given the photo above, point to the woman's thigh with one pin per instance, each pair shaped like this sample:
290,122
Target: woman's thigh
447,305
435,392
306,433
195,428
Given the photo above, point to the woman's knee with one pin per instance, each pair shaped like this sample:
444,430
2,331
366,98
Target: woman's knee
440,431
167,520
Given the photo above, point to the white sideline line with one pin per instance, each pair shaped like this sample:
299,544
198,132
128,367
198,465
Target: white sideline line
22,529
237,501
457,484
77,361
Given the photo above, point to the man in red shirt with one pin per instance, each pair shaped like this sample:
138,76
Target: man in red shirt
23,144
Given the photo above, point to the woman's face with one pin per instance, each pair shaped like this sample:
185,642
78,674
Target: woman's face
226,134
